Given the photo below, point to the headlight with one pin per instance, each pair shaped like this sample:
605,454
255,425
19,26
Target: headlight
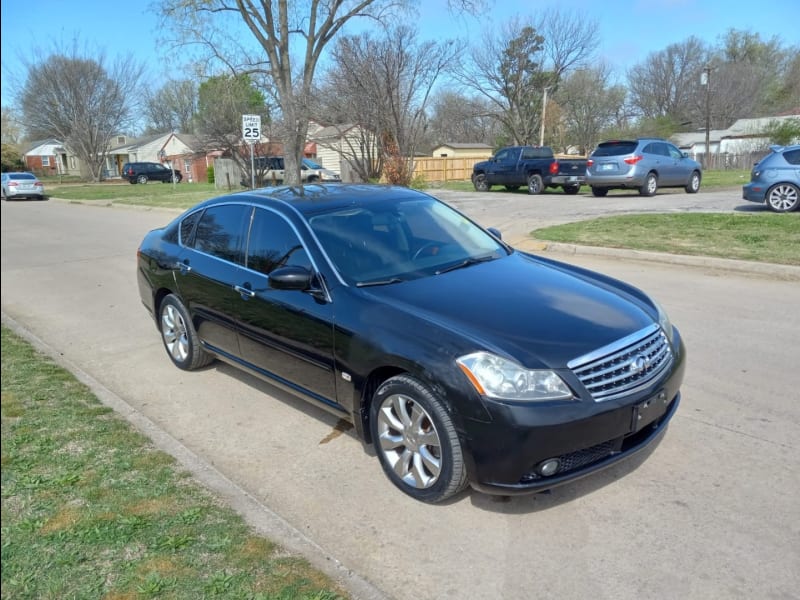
664,322
500,378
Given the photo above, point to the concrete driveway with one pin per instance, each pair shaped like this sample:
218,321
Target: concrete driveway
712,512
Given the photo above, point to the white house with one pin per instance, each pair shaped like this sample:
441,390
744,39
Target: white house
338,146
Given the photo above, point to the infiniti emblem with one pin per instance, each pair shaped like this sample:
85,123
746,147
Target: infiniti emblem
639,364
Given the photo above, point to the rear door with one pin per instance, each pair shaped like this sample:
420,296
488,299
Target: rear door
208,270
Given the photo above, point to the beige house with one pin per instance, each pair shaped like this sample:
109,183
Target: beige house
461,150
340,146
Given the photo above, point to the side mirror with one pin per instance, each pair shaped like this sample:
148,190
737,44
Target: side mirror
290,278
495,232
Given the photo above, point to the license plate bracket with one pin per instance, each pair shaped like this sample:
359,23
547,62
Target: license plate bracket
648,411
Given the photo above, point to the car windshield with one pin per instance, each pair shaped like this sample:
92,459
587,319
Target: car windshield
400,241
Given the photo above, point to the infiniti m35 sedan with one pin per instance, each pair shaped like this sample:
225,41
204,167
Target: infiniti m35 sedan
463,361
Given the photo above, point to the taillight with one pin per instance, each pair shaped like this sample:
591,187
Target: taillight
632,160
38,183
554,168
12,184
589,162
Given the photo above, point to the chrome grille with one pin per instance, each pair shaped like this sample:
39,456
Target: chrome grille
625,366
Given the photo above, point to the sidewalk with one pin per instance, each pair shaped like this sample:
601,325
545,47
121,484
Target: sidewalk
783,272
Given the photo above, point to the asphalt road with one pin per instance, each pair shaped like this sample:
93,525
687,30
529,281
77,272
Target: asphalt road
711,512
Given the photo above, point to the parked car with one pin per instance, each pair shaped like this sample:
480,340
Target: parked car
533,166
142,172
644,164
460,359
269,171
775,179
21,185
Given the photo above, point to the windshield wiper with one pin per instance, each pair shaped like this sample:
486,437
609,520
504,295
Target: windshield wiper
472,260
379,282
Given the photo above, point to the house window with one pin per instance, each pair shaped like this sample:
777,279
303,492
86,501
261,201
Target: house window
73,162
121,139
45,161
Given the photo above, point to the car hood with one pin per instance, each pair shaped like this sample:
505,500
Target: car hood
542,314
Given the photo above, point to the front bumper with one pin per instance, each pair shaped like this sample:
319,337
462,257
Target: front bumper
507,453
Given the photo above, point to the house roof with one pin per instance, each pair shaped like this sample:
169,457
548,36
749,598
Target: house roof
466,145
40,144
741,128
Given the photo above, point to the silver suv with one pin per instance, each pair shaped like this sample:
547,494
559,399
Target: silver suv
644,164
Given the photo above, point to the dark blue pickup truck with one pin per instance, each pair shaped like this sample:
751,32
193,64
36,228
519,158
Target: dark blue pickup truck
532,166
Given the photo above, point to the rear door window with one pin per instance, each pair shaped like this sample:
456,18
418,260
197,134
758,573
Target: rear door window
220,231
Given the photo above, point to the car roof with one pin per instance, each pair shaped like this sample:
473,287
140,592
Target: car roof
312,198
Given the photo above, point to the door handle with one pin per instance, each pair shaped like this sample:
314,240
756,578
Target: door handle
184,267
244,291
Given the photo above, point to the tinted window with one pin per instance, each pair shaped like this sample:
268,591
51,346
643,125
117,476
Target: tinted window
22,176
220,231
614,148
792,156
503,155
673,151
273,243
187,226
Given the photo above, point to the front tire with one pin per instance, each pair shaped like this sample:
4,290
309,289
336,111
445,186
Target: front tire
480,183
416,441
535,185
650,186
783,197
179,336
694,183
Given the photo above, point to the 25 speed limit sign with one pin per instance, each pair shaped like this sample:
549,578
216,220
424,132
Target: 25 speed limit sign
251,127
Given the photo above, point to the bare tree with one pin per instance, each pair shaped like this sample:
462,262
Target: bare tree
513,68
589,105
384,84
222,101
10,130
81,101
282,31
172,107
456,117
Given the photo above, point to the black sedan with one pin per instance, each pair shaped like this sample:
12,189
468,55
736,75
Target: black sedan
462,360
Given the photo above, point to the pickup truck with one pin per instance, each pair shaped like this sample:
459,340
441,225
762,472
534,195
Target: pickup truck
269,171
533,166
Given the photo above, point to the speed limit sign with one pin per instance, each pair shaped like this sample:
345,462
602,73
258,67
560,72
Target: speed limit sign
251,127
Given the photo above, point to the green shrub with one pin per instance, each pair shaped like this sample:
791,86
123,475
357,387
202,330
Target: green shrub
210,173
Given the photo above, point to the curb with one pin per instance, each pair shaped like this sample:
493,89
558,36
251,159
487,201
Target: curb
784,272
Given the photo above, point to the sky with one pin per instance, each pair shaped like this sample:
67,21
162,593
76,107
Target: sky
629,30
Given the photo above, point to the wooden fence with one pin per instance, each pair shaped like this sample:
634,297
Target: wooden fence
442,169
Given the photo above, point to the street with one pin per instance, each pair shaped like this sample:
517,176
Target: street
711,512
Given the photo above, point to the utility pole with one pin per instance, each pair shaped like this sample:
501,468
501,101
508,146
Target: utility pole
544,110
705,80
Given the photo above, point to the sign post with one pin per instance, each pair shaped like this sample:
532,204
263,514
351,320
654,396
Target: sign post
251,132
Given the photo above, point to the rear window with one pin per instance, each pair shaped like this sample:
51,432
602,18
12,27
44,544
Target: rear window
792,156
614,148
22,176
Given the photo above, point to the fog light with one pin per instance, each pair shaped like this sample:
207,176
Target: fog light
548,467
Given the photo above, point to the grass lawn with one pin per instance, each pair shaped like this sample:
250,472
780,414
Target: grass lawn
90,509
773,238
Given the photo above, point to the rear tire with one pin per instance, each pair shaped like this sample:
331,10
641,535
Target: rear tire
141,179
783,197
599,192
650,186
535,185
416,441
694,183
179,336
